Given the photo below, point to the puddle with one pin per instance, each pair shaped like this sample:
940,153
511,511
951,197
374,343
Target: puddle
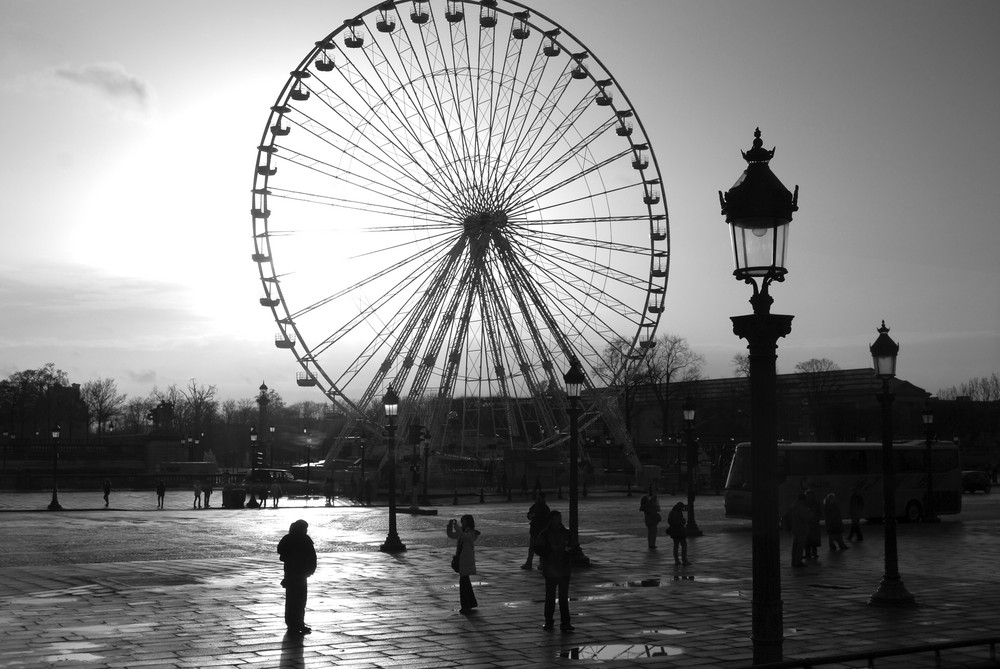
618,652
666,632
73,657
644,583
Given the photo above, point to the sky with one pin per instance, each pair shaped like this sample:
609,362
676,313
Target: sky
131,131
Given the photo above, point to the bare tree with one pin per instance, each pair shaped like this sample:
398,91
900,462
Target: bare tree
741,364
819,382
103,401
672,359
977,389
621,370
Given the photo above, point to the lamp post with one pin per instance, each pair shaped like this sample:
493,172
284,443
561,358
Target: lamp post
54,504
927,416
758,210
574,380
390,401
890,592
687,408
253,503
270,447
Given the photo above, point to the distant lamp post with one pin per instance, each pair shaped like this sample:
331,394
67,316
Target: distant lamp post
688,408
574,380
54,504
758,209
270,447
927,416
253,503
390,401
890,592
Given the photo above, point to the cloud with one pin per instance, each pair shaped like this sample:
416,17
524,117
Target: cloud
112,82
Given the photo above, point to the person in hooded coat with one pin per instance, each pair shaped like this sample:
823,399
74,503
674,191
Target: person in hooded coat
298,554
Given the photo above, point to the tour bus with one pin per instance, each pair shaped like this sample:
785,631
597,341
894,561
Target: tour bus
848,468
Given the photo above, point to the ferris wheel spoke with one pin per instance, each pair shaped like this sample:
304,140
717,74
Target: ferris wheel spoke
575,177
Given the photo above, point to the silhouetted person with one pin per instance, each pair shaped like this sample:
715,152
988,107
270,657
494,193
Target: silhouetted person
798,522
538,520
275,495
207,491
650,508
815,536
834,523
197,495
161,492
329,489
676,524
299,557
107,491
466,534
554,547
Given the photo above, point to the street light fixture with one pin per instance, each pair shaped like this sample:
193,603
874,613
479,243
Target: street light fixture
574,380
54,504
758,209
890,592
687,408
390,401
927,416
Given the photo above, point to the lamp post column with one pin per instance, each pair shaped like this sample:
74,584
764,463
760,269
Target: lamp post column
574,379
762,331
392,543
54,504
692,529
930,516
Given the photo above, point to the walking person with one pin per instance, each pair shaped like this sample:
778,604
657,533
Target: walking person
650,508
107,491
207,490
676,524
197,495
834,523
161,492
298,554
466,534
815,537
275,495
553,545
538,520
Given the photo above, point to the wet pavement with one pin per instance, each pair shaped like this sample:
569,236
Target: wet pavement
131,586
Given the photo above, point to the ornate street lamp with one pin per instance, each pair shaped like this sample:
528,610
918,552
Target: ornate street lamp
890,592
54,504
574,380
927,416
758,209
390,401
687,408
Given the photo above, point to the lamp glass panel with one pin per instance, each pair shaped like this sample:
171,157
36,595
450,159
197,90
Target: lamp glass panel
885,366
759,244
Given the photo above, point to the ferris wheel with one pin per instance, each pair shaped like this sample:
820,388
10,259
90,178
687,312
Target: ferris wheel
454,199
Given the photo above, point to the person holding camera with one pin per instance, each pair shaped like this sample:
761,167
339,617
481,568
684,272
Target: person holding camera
466,534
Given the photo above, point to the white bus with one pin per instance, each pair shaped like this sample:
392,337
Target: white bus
846,468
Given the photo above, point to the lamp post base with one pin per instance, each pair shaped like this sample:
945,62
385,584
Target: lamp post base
392,544
891,593
578,559
54,504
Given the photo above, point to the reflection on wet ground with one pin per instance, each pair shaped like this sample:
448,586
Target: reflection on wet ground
618,652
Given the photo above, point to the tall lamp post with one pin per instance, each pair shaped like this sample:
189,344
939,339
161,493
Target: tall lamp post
927,415
890,592
758,209
390,401
687,408
54,504
574,380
